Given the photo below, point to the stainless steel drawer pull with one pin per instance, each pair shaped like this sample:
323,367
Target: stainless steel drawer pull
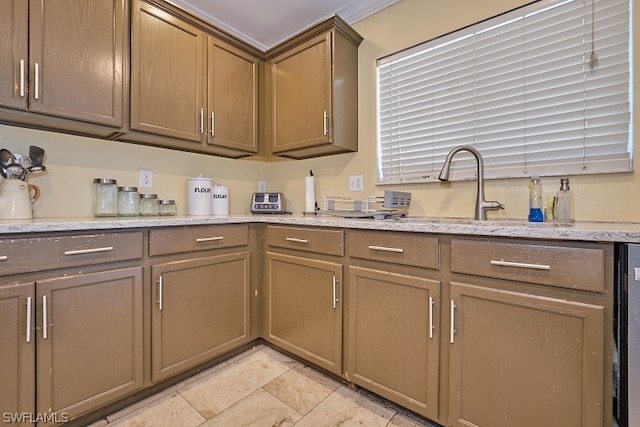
213,124
160,295
385,249
295,240
452,331
22,78
45,331
335,292
209,239
4,258
202,120
431,317
28,319
88,251
37,91
503,263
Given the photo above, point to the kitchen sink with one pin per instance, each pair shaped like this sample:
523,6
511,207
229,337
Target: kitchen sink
506,222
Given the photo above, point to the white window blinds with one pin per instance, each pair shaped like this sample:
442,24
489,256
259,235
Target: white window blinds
544,89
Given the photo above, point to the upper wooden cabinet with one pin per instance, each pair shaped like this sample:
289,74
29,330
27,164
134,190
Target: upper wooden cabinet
168,60
62,59
189,89
233,97
14,53
313,87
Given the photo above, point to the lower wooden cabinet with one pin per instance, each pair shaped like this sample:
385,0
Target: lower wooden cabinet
17,350
201,310
393,337
89,340
304,308
524,360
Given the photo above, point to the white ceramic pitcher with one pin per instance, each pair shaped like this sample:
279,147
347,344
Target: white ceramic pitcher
16,197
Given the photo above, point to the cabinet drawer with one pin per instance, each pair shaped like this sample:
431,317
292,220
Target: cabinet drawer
398,248
46,253
562,266
330,242
198,238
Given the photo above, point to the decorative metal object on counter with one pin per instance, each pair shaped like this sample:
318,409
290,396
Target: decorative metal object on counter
105,197
167,207
393,204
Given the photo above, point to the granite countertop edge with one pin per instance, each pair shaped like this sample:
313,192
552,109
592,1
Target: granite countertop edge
625,232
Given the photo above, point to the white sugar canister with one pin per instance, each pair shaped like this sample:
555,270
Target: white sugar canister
199,196
220,199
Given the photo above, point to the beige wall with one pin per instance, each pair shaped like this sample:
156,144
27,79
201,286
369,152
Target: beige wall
73,162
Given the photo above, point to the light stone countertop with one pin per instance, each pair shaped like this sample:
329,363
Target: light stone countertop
587,231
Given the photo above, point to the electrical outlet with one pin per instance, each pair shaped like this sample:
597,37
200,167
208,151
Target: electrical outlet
145,179
355,183
262,186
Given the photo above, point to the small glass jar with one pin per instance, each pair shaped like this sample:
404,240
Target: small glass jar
105,197
149,204
128,201
167,207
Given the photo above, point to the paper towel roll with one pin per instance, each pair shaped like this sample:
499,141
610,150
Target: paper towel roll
309,194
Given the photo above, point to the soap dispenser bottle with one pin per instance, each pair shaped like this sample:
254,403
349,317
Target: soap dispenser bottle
564,207
535,200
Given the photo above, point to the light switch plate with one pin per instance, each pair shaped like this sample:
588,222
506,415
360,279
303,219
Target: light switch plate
356,183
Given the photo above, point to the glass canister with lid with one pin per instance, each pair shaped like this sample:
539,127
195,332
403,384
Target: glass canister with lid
128,201
105,197
167,207
149,204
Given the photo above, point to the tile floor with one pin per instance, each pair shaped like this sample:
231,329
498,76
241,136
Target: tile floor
261,387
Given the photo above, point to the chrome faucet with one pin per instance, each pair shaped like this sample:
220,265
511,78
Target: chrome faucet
482,206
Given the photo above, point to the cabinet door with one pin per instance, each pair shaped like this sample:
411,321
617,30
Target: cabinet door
393,337
305,308
17,350
168,60
76,66
523,360
90,347
14,62
233,97
201,310
301,80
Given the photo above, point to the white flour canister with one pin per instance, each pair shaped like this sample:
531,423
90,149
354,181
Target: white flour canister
199,196
220,199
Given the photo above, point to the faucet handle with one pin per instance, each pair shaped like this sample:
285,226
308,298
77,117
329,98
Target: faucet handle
493,205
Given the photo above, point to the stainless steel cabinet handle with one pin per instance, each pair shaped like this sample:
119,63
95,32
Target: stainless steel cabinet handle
209,239
202,120
22,78
502,263
4,258
213,124
452,331
293,239
335,294
431,317
37,91
88,251
45,332
160,296
385,249
325,127
28,338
